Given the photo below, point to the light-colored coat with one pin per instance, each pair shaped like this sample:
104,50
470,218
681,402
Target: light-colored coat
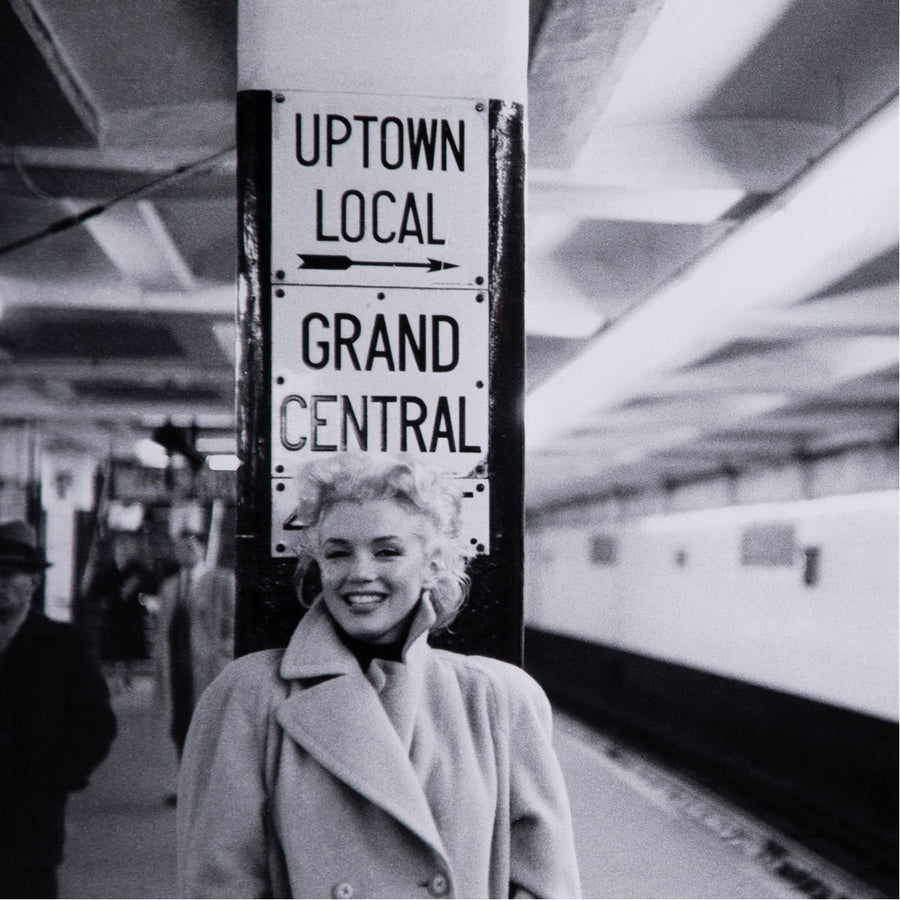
304,777
210,606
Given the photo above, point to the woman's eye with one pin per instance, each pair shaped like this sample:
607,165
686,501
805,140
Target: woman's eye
336,554
389,551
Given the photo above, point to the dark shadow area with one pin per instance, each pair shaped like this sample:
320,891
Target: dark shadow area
822,775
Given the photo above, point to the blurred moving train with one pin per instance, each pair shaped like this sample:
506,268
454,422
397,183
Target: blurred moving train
746,637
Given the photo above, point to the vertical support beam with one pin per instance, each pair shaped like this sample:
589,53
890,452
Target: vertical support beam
266,605
34,502
381,180
492,621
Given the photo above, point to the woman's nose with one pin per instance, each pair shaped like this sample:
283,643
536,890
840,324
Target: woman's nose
361,568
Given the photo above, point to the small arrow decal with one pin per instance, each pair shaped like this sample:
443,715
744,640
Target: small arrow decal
339,263
292,523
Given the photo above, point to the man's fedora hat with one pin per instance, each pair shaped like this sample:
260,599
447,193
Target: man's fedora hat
19,550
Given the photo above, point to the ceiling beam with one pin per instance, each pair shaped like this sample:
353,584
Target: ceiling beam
146,414
752,155
811,367
873,309
208,299
105,174
135,240
56,72
681,411
577,56
155,372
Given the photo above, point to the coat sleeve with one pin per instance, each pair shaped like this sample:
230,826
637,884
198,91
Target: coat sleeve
72,725
91,722
542,843
226,847
212,626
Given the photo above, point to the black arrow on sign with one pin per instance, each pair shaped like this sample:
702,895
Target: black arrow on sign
318,261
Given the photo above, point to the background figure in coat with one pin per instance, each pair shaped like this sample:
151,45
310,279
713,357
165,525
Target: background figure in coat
197,626
56,723
118,590
360,761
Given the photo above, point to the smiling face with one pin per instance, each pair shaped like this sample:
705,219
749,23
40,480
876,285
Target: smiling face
374,561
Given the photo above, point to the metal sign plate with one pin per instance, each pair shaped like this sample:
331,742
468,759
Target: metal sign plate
396,370
379,190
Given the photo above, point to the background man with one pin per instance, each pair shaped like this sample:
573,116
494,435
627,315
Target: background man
198,617
56,722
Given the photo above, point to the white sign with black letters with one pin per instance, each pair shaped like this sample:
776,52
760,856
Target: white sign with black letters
379,190
380,314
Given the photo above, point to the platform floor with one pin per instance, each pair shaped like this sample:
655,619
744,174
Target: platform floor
641,831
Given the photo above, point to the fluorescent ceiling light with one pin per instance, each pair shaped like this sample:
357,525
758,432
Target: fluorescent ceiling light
151,454
210,444
841,213
224,462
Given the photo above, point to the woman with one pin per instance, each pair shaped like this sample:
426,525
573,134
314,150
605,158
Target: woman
361,762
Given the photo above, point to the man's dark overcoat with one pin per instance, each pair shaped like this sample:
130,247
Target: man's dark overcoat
56,726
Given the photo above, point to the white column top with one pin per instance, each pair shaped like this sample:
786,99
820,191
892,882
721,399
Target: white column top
437,48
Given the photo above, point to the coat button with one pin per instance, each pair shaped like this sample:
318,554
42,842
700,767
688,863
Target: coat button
342,891
438,885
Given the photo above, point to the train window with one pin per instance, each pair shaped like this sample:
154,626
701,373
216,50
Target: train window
604,550
768,544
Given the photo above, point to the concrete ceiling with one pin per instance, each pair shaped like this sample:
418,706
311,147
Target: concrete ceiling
712,232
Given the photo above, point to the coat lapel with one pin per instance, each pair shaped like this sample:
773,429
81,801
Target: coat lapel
341,723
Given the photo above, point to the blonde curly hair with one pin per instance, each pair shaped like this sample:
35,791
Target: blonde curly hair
417,486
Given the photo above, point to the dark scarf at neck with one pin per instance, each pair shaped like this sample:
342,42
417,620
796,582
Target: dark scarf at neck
365,652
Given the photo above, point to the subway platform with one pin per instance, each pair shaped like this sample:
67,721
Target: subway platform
641,830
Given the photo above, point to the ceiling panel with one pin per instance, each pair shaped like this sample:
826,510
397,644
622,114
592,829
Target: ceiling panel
661,134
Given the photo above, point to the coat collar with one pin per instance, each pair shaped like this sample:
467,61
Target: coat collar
340,720
315,649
